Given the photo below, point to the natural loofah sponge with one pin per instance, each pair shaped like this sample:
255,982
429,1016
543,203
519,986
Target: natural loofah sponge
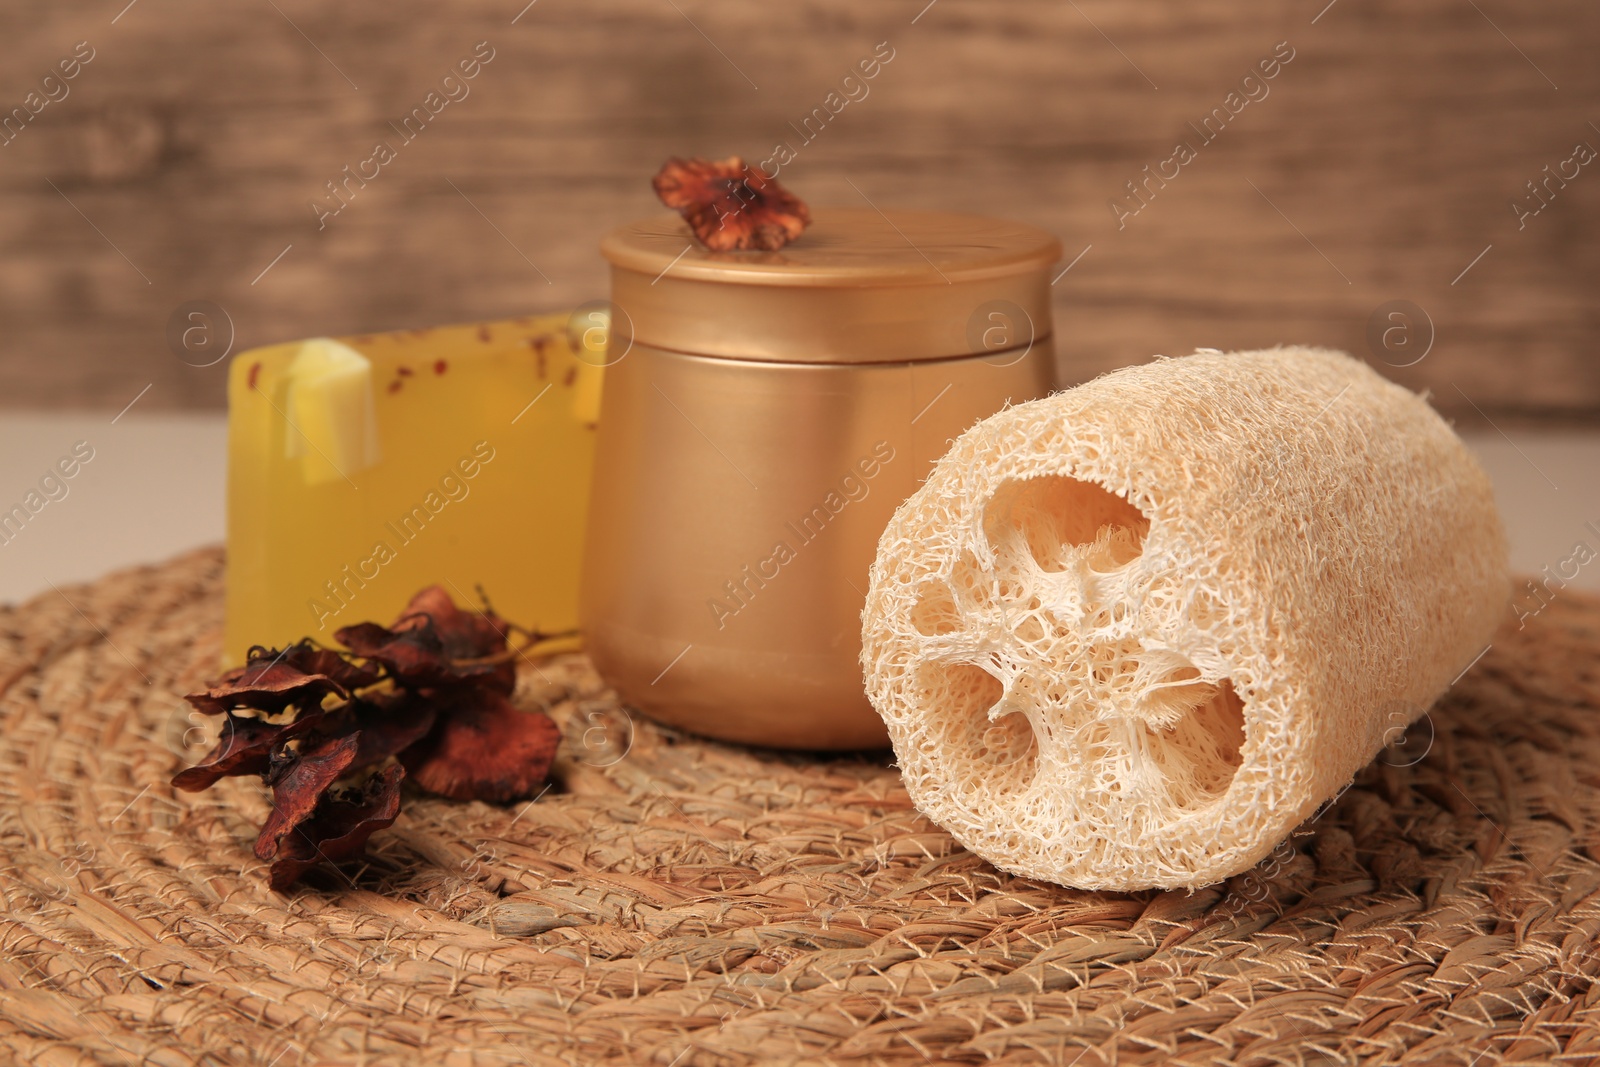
1131,635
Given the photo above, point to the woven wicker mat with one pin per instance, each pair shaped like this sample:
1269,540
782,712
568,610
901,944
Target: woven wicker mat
694,903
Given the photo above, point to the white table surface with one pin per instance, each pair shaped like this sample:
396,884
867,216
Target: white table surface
155,488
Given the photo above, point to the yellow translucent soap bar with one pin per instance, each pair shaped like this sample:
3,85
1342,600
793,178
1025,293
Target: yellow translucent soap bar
361,469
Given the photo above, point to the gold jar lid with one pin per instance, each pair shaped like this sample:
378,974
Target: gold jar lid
859,286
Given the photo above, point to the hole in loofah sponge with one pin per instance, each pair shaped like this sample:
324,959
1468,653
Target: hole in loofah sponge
1134,722
1178,693
995,758
1201,751
1056,518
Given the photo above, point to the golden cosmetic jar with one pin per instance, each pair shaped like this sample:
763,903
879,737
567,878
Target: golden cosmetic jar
764,414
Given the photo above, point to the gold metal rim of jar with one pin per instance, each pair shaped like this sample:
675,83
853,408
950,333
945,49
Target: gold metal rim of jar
859,286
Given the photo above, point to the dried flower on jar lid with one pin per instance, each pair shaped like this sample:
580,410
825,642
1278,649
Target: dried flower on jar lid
730,205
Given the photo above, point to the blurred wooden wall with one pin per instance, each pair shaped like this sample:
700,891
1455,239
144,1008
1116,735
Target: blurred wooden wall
1382,164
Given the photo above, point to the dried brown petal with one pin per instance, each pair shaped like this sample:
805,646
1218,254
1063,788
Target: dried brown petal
298,785
389,725
326,661
484,748
269,683
414,656
434,643
730,205
245,747
339,828
464,635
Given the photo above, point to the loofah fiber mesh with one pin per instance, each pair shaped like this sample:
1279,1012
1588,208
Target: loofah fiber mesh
1132,634
693,904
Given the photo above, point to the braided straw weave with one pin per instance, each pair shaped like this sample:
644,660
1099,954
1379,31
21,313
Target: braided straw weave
679,902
